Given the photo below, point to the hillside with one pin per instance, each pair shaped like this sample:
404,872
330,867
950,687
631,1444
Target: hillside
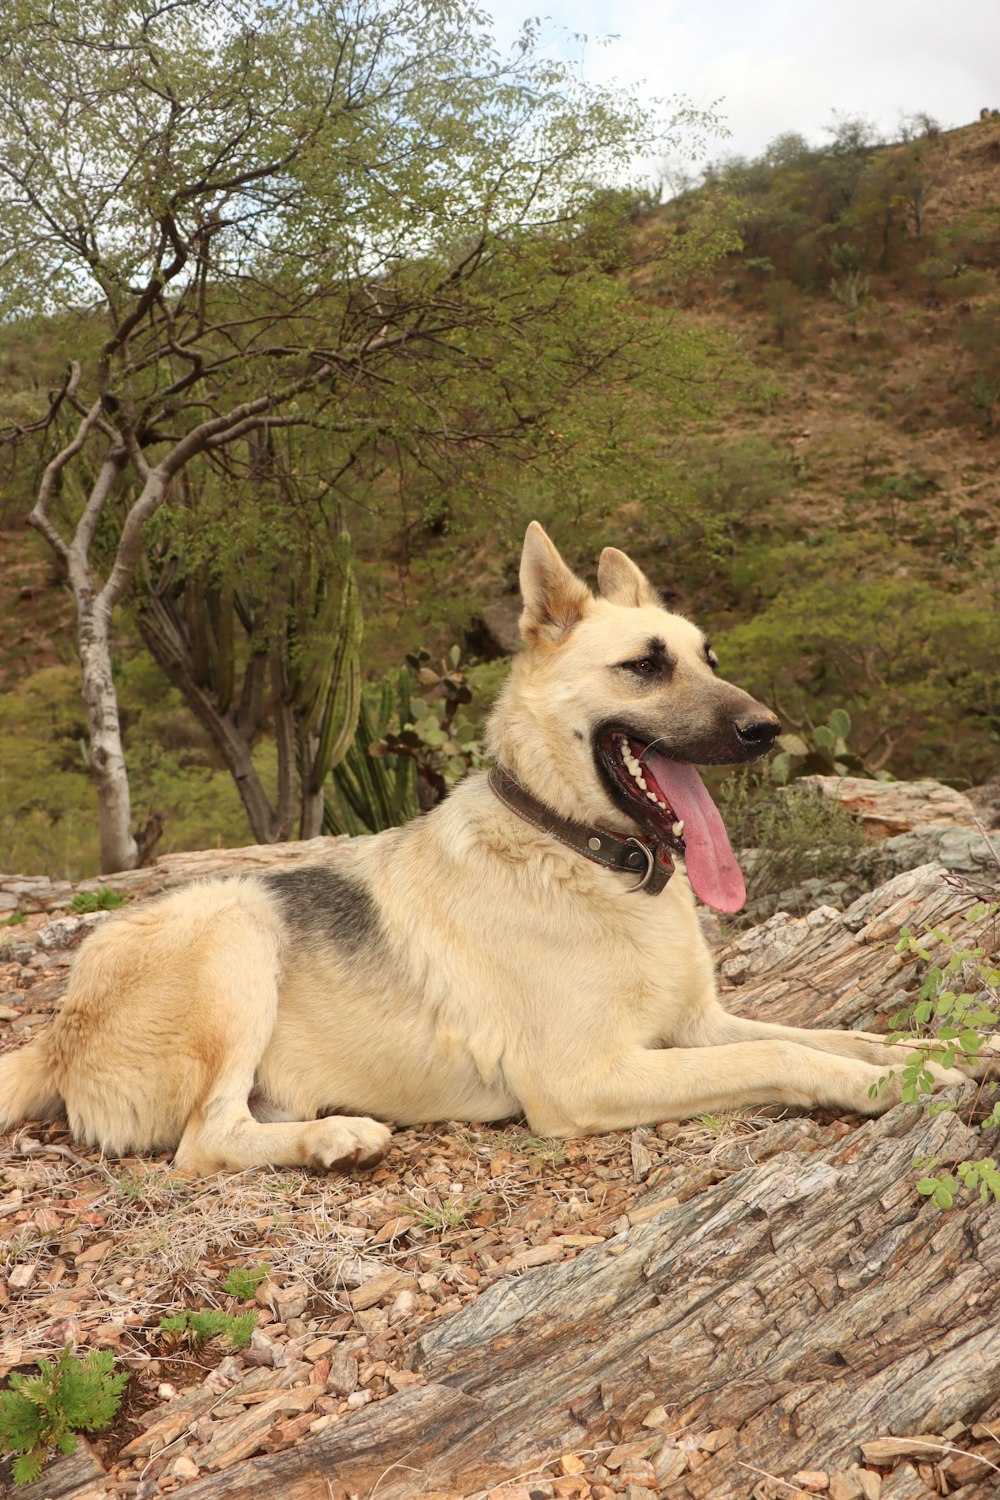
833,515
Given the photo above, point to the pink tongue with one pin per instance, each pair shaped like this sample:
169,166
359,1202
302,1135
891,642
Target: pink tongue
709,859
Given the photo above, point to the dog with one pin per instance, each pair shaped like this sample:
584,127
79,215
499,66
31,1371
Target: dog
529,947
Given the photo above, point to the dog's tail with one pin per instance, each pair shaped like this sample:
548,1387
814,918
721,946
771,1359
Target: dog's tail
27,1086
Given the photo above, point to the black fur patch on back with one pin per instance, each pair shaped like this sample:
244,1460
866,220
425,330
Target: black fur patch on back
320,900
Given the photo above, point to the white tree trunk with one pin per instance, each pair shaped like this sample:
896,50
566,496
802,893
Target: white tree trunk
119,850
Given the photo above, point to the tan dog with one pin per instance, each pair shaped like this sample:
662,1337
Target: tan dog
521,949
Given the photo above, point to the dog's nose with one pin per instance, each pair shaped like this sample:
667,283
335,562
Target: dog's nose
757,733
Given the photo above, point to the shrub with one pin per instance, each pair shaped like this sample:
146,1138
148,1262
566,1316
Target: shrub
243,1281
196,1328
103,899
918,666
44,1411
796,833
411,748
956,1013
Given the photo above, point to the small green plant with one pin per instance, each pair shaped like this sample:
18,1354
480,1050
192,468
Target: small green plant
438,737
243,1281
103,899
196,1328
820,750
451,1214
544,1147
851,286
16,919
44,1411
410,749
955,1014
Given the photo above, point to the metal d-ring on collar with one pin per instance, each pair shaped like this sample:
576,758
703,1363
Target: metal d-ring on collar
650,865
613,851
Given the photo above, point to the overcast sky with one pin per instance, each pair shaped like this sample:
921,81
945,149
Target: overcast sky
782,65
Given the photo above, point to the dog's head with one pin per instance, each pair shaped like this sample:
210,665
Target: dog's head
613,703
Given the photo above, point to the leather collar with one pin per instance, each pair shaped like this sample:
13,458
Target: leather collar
646,858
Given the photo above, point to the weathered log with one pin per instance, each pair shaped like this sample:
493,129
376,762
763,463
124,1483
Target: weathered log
78,1475
812,1302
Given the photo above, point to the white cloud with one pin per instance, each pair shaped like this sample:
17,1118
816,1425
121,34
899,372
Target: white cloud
788,64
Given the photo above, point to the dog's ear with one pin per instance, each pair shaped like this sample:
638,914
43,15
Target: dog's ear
621,582
554,598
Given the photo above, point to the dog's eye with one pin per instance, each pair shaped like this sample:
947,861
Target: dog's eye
643,666
711,658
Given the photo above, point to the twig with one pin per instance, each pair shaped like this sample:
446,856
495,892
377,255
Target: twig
989,844
27,1146
794,1488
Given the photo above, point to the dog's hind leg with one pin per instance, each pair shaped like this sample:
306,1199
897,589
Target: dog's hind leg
221,1133
225,1137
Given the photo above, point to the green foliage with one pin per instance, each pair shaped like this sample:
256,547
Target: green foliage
919,666
48,821
40,1412
226,618
706,508
795,833
438,736
103,899
956,1013
451,1214
242,1282
348,258
850,284
979,382
411,748
196,1328
819,750
370,792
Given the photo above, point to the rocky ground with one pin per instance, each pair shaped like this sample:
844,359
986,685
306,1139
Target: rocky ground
354,1276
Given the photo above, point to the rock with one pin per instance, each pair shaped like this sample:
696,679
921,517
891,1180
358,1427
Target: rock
963,850
343,1377
845,1487
890,807
61,932
496,632
291,1301
985,800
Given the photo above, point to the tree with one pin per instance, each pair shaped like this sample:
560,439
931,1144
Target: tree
265,218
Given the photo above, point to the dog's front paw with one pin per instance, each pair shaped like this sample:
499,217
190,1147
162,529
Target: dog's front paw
889,1090
343,1142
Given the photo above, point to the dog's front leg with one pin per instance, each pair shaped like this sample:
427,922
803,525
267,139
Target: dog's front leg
641,1086
715,1027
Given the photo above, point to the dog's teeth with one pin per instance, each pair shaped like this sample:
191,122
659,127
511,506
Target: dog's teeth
641,781
678,828
653,798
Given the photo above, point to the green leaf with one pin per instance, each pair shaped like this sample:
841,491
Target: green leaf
27,1467
792,744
